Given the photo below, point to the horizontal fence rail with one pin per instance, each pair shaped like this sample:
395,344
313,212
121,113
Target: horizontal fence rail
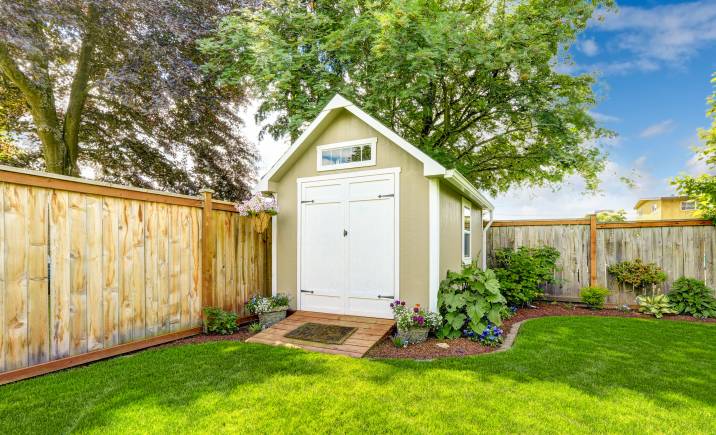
683,247
90,269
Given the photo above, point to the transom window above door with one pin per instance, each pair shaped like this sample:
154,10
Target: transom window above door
343,155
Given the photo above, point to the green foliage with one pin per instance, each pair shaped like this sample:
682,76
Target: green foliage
656,305
636,275
691,296
398,341
612,216
472,84
470,300
702,188
218,321
594,296
266,304
524,271
255,328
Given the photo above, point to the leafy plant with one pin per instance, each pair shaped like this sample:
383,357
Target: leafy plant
656,305
218,321
416,317
594,296
398,341
691,296
636,275
524,271
255,328
267,304
469,300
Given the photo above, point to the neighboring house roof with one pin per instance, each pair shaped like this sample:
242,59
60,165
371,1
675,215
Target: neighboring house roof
642,201
431,168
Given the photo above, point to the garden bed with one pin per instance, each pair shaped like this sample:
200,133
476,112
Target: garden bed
463,347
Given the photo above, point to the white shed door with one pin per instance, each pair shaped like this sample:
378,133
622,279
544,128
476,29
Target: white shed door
347,245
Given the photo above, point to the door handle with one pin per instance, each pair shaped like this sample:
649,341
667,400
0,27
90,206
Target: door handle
345,233
307,202
386,297
307,291
390,195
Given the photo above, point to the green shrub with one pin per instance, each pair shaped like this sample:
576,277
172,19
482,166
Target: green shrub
691,296
524,271
636,275
218,321
398,341
656,305
469,301
594,296
255,328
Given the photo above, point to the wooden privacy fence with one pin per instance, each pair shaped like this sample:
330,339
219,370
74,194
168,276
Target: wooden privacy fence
90,270
587,248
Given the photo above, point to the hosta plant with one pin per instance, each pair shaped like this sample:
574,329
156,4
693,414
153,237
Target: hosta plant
693,297
656,305
469,301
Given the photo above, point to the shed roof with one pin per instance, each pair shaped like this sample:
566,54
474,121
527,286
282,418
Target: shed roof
431,168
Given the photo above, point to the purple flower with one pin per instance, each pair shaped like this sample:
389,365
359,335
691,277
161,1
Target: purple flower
416,309
392,305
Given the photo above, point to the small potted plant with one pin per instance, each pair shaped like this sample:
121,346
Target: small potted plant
414,324
271,309
259,208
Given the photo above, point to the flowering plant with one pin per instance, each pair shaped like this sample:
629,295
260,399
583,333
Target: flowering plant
490,336
258,204
263,304
416,317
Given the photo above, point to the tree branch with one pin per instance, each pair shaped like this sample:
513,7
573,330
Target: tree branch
78,95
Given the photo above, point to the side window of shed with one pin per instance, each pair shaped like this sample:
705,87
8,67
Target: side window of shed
466,232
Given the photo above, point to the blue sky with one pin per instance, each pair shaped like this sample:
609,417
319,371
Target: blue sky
654,60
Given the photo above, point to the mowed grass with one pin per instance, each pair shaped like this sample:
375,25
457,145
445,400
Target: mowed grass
564,375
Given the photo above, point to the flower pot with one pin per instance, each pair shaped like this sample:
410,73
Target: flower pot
414,335
271,318
260,222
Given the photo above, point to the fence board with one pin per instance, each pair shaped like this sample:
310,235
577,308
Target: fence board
680,249
89,271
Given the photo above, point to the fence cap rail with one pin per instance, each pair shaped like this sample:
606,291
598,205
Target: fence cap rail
48,180
540,222
605,225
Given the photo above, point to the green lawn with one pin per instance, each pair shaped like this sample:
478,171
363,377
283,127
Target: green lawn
569,374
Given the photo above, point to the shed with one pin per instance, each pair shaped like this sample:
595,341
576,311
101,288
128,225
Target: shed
365,218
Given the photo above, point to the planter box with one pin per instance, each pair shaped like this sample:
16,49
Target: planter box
414,335
271,318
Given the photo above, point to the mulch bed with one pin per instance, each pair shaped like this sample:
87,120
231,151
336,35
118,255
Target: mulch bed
462,346
241,335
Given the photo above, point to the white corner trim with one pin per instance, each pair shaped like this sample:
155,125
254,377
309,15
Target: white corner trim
372,141
274,255
468,189
483,254
433,243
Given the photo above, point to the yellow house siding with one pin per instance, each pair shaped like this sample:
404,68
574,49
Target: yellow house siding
666,208
413,207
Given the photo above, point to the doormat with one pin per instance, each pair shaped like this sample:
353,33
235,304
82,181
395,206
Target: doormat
322,333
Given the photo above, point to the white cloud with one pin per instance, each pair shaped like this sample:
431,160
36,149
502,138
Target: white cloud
657,129
571,201
603,118
589,47
663,35
270,150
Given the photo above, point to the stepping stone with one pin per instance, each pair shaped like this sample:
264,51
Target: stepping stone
443,345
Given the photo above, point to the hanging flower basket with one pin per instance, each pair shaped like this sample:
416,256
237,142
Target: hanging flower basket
259,208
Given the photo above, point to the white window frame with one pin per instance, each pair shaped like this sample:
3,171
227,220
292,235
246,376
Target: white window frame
693,205
372,141
654,208
465,204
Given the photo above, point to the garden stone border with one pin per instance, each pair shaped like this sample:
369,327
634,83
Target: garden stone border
509,338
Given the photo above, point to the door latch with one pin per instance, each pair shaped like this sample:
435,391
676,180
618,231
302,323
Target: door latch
345,233
307,291
307,202
386,297
389,195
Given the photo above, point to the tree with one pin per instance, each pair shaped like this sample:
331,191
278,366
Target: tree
611,216
116,86
702,188
471,83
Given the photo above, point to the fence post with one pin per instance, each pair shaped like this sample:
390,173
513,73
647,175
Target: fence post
207,293
593,250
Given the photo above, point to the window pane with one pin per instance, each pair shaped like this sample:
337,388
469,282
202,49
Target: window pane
466,219
466,244
366,152
348,154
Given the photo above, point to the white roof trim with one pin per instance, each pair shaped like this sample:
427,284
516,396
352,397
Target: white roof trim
466,188
431,168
